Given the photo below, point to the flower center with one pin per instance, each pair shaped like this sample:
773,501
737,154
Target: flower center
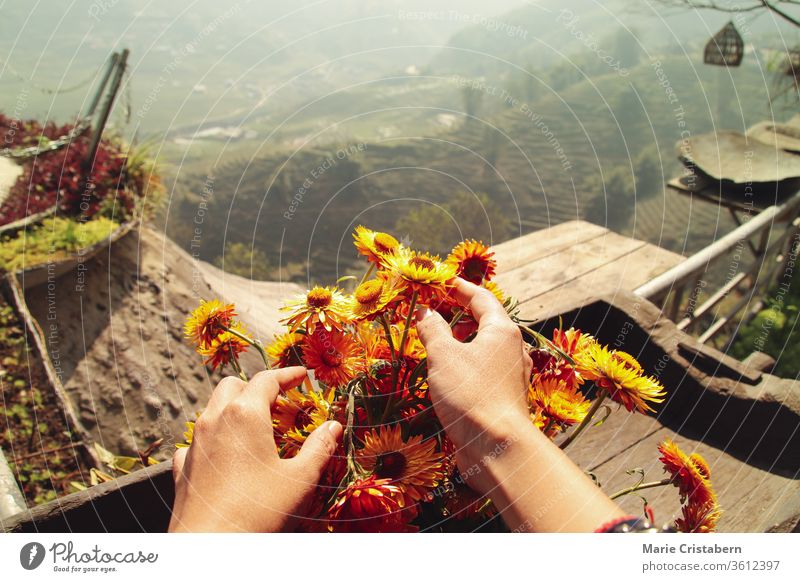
701,465
292,355
390,465
422,263
332,358
627,360
319,297
474,269
369,292
385,243
303,418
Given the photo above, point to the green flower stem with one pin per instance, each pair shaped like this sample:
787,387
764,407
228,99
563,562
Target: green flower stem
367,408
586,420
388,332
456,319
348,433
253,342
238,368
387,409
420,416
411,309
367,273
640,486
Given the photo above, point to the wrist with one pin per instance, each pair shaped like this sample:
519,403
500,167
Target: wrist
482,449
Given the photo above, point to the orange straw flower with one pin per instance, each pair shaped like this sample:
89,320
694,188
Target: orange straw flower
621,375
413,464
286,350
557,400
690,473
473,261
371,505
325,306
224,348
424,273
376,246
208,321
335,357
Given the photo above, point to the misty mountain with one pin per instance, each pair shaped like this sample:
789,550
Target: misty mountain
210,58
549,32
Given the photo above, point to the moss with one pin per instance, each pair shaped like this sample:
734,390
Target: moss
52,240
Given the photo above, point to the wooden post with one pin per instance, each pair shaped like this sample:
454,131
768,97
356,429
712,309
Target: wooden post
106,110
675,306
112,63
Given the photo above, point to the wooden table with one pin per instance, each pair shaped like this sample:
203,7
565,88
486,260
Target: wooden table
556,268
552,270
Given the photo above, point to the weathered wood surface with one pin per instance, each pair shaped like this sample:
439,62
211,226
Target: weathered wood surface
139,502
743,421
553,269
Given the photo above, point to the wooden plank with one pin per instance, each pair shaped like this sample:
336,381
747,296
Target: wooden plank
537,245
765,502
621,430
626,272
138,502
52,270
643,454
752,499
559,269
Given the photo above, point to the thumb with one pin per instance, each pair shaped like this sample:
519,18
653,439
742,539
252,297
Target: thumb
318,449
432,327
178,461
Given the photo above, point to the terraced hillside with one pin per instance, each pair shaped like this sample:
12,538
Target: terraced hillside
539,163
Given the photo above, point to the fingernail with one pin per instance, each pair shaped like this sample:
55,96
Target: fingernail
335,428
423,311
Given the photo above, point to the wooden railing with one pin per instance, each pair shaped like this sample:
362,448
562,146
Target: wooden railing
738,296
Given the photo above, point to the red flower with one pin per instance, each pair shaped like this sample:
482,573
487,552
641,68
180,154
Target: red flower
372,505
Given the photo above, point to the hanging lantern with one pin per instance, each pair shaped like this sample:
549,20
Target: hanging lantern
725,49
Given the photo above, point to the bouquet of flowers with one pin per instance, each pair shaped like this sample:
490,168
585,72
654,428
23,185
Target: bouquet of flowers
395,469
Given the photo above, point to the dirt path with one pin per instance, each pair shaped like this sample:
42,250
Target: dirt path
114,329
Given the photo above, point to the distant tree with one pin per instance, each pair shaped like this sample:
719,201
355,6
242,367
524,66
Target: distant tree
565,74
466,215
472,97
244,260
491,147
775,330
612,197
649,173
628,110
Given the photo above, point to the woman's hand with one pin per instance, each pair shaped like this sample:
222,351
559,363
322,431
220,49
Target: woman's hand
231,478
478,389
479,392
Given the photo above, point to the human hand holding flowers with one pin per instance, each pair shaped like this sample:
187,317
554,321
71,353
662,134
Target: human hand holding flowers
478,389
221,479
449,417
